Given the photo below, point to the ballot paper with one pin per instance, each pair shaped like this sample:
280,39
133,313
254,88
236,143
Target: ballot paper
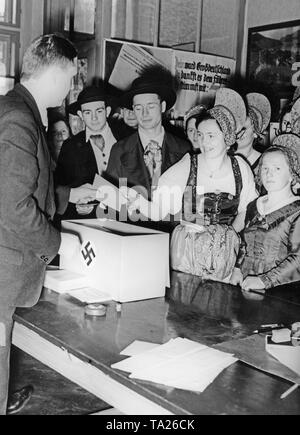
108,194
179,363
285,352
138,347
90,295
62,281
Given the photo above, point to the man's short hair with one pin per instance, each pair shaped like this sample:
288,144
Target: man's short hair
47,50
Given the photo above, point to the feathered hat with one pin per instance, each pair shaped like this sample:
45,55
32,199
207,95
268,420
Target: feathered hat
230,112
259,111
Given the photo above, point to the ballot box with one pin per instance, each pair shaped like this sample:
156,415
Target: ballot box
128,262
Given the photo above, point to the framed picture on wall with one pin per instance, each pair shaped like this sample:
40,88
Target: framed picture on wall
10,12
8,53
273,61
5,54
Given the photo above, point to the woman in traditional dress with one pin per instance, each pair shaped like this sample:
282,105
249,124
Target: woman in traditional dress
270,252
210,191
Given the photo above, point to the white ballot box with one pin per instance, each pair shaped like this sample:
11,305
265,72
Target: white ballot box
129,262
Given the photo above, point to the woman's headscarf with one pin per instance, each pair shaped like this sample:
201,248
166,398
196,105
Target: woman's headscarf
230,112
289,145
259,109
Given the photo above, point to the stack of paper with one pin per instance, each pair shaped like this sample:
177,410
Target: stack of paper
90,295
64,281
180,363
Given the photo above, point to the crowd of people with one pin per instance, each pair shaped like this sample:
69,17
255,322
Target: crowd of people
228,198
232,209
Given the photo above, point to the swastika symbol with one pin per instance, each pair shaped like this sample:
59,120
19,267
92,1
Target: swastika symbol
88,254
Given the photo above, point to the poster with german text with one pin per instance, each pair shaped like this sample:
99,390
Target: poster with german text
199,76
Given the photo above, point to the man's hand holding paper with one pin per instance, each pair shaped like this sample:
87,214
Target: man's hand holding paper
83,194
133,200
109,194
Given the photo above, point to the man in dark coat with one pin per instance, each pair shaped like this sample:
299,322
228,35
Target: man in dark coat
28,241
86,154
144,156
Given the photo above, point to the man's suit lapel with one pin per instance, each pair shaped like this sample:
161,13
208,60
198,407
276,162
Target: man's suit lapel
165,156
89,152
30,102
43,152
81,162
134,165
170,153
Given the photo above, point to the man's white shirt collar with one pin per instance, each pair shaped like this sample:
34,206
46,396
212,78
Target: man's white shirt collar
104,132
102,156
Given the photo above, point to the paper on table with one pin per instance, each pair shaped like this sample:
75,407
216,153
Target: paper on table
189,364
193,371
180,363
199,382
159,355
286,354
138,347
62,281
90,295
108,193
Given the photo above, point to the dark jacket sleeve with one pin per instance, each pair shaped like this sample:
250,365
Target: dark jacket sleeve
61,171
19,172
62,190
113,172
289,269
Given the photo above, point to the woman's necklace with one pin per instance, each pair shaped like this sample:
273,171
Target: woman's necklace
212,172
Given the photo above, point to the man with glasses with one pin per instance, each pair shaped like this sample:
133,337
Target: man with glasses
144,156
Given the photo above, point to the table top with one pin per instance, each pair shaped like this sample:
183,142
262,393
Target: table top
207,312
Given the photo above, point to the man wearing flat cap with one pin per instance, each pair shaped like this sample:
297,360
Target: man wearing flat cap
144,156
84,155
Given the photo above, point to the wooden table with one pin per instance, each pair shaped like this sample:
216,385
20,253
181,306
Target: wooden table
57,333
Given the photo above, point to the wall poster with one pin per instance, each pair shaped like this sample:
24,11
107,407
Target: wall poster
198,75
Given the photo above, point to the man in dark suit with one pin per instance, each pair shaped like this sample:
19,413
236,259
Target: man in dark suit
86,154
144,156
28,241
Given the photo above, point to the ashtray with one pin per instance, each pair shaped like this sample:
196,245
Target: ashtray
98,310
